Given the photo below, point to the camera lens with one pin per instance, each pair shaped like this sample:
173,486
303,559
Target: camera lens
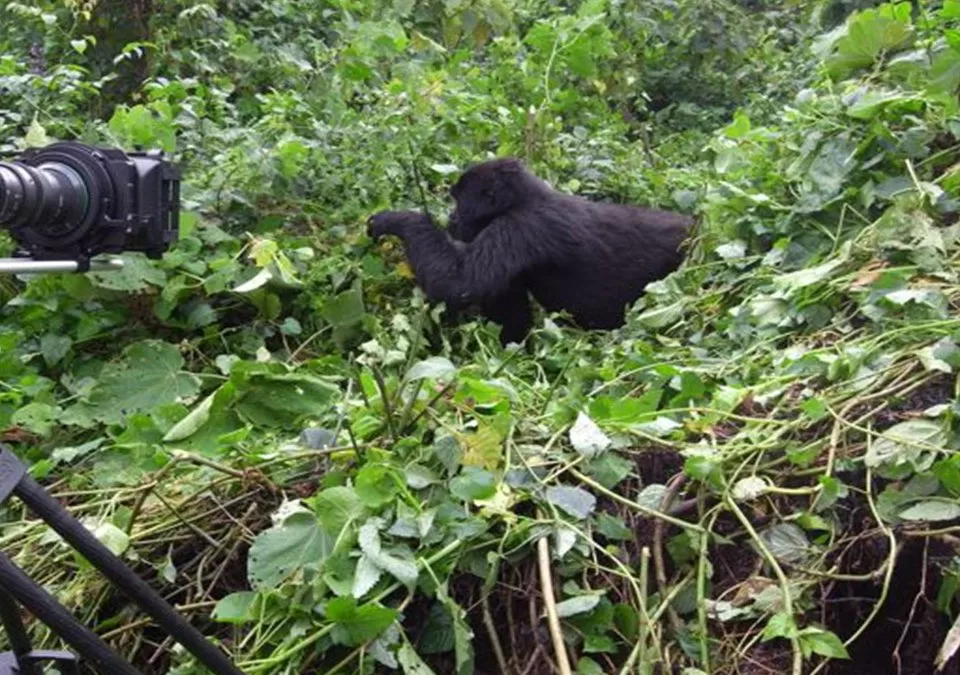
51,197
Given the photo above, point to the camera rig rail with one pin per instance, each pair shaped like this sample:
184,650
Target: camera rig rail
68,202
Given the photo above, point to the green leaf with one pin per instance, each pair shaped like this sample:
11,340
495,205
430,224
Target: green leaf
613,528
235,608
192,422
740,126
651,496
36,135
871,103
815,409
944,356
819,641
580,604
366,576
420,477
609,469
931,511
447,450
868,34
111,536
358,625
906,443
336,507
787,542
54,347
148,375
40,418
296,544
626,410
473,483
462,633
411,662
377,484
345,309
574,501
270,395
780,625
404,569
137,274
587,666
434,368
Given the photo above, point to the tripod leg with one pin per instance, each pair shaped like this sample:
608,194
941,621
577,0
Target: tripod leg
49,509
16,633
87,643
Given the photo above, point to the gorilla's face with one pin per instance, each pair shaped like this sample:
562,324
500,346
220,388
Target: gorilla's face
461,232
482,194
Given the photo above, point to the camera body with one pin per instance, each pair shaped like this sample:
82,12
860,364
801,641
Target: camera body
70,202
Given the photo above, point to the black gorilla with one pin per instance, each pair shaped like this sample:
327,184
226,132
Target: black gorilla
511,234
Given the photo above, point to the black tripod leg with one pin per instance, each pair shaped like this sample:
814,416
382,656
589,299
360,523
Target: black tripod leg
49,611
44,505
16,633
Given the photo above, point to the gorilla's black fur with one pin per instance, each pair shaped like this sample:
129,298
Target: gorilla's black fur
511,234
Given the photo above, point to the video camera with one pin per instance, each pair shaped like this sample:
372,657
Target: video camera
68,202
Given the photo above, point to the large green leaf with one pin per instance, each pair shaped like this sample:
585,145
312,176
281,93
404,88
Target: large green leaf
869,34
149,374
277,554
271,395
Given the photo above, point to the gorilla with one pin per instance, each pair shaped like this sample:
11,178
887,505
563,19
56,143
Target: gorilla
511,236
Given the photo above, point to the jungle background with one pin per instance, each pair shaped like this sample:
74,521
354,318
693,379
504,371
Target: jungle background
757,474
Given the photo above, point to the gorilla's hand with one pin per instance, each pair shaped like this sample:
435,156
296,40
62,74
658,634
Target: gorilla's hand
391,222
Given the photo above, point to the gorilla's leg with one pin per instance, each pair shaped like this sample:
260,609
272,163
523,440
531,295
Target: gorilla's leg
513,312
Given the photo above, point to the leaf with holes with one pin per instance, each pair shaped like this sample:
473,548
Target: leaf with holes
411,662
787,542
906,442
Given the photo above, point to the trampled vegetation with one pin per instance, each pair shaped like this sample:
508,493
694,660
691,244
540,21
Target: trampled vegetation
757,474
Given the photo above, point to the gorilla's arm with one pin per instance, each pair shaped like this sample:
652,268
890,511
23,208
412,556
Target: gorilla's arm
458,273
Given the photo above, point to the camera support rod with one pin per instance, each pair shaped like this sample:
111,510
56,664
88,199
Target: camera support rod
31,266
16,585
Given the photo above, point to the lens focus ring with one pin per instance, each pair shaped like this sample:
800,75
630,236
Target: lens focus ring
51,198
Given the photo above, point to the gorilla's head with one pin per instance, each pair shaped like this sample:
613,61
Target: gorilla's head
489,190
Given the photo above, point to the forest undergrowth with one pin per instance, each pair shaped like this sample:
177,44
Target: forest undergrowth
757,474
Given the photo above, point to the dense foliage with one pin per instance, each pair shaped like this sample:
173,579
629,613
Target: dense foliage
758,473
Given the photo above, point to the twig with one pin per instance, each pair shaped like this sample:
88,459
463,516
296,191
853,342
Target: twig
550,603
777,570
673,487
492,633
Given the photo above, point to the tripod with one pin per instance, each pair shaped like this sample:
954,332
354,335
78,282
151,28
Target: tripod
16,588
